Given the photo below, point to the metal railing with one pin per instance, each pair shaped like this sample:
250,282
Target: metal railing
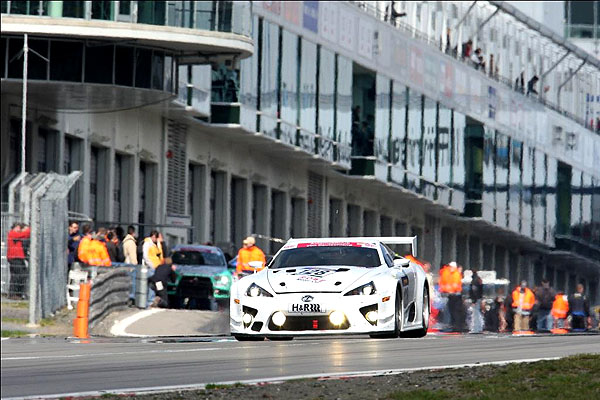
432,41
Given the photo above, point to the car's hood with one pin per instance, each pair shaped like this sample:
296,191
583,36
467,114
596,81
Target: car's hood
201,270
315,279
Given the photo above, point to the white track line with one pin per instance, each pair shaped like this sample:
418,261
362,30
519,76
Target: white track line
274,380
119,328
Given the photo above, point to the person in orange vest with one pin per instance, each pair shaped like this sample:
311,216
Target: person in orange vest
92,251
451,286
522,304
560,309
248,253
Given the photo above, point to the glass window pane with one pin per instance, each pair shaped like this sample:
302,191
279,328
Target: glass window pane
443,150
66,59
526,199
15,68
158,70
428,150
102,10
308,95
586,208
382,126
151,12
414,142
269,83
249,84
514,193
289,87
38,67
143,68
326,123
539,196
458,160
488,198
343,112
124,66
502,163
205,14
99,63
576,203
74,9
399,99
551,186
125,7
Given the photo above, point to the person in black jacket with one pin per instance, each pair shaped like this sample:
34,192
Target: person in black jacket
476,294
579,309
545,297
159,281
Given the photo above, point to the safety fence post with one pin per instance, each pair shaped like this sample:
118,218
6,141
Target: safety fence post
80,323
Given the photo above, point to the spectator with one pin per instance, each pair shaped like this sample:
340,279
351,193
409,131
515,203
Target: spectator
466,50
481,64
545,297
476,58
520,83
152,256
492,65
91,250
101,234
120,233
130,246
15,254
158,282
114,250
523,301
73,242
531,85
560,309
476,294
247,254
579,309
451,285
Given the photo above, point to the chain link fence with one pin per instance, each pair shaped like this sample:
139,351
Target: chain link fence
38,272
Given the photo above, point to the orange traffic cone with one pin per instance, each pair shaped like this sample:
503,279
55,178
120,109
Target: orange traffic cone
80,323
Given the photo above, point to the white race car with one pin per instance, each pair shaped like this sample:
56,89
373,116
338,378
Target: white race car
354,285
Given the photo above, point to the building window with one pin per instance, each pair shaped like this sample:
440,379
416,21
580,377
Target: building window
66,61
151,12
73,9
97,58
103,10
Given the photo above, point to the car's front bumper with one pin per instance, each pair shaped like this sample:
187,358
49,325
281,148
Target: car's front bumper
354,309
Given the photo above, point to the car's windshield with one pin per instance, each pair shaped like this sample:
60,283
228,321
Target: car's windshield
327,255
186,257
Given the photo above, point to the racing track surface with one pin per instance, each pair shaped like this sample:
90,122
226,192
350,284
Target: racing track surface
58,366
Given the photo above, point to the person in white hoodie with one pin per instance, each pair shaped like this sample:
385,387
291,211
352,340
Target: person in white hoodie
130,246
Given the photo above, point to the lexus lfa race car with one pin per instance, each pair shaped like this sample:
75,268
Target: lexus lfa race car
327,286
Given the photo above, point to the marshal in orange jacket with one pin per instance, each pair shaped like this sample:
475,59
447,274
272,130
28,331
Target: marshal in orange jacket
560,307
248,254
528,300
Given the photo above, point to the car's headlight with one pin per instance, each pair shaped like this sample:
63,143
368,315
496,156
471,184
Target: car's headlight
222,280
365,290
255,291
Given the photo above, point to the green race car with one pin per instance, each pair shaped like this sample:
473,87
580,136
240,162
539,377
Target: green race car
203,277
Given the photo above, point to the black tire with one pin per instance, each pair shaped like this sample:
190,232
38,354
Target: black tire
422,331
248,338
280,338
398,317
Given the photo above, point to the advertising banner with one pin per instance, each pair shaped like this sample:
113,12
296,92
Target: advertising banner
310,16
347,30
365,39
328,28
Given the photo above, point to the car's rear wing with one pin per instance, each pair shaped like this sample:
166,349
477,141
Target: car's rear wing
412,240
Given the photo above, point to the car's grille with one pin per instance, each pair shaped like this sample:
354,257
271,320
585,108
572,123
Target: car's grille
308,323
195,287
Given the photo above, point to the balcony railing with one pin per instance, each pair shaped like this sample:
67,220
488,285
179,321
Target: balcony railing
222,16
435,42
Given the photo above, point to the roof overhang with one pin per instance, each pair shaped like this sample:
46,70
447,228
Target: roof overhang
192,46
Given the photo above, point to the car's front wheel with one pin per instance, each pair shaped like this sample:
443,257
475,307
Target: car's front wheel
422,331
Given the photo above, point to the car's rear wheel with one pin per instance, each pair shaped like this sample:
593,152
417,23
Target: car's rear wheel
248,338
398,318
422,331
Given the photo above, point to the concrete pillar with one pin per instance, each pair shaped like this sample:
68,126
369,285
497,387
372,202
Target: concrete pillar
387,226
222,207
371,223
336,218
501,262
355,220
488,260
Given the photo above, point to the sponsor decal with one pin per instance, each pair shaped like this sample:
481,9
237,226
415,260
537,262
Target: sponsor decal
344,244
307,298
305,308
314,275
404,281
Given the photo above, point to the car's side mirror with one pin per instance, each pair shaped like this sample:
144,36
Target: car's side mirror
402,262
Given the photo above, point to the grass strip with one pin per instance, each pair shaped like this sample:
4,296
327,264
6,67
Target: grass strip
10,333
577,376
